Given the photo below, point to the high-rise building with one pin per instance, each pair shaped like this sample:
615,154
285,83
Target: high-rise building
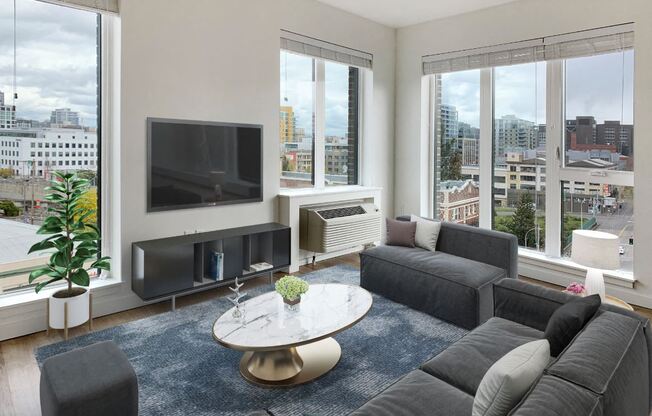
467,131
614,133
287,124
64,117
7,114
448,119
541,136
513,134
470,151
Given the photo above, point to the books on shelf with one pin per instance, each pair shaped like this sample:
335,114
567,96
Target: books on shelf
259,267
216,265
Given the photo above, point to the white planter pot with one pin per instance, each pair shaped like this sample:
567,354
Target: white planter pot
78,310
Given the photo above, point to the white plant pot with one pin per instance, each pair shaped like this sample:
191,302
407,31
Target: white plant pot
78,310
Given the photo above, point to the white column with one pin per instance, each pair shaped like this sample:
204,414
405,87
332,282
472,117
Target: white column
486,147
319,162
555,116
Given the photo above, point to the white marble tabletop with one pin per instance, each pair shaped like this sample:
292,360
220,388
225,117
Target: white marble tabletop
266,324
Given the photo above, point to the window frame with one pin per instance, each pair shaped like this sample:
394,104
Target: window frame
555,171
318,174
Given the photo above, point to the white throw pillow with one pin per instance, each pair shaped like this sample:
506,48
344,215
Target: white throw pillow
427,232
510,378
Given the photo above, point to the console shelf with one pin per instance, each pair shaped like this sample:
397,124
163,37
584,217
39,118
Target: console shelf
175,266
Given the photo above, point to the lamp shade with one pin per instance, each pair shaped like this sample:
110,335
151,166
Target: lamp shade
595,249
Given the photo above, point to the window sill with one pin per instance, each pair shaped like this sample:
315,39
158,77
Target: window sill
299,192
9,300
570,269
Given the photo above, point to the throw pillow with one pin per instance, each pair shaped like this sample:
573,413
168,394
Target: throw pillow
510,378
400,233
427,232
568,320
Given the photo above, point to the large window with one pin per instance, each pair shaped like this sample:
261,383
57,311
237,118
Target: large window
457,145
47,104
560,113
519,152
318,123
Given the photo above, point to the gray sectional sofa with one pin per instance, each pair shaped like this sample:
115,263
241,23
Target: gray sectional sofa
453,283
605,371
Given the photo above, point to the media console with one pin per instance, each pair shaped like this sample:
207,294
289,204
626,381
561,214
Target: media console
173,266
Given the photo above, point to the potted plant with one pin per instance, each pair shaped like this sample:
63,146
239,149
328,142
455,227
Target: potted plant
74,243
291,288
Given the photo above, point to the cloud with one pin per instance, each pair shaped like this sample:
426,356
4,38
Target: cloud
56,59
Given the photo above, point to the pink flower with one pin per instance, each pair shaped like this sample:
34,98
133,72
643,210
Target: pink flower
575,287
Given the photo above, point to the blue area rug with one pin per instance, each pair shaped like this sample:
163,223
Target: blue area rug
183,371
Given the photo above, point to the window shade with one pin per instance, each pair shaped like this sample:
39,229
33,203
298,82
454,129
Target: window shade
325,50
98,6
571,45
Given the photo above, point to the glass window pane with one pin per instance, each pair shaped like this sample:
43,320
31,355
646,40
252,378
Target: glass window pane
599,112
341,135
519,152
56,104
457,136
296,120
593,206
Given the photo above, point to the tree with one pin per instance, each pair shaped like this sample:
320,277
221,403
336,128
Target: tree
89,175
523,221
88,203
10,209
451,160
6,173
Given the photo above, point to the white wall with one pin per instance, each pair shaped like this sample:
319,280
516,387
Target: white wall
216,60
521,20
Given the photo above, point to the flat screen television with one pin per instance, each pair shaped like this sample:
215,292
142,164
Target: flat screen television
194,164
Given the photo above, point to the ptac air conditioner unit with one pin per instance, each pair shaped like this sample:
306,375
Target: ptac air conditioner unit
336,227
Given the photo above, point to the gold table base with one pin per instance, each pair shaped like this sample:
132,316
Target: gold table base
291,366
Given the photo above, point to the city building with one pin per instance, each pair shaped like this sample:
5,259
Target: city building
513,134
465,130
64,117
448,119
287,124
470,149
7,114
36,152
459,201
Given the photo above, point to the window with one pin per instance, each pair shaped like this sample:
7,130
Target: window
571,135
318,139
457,137
56,68
297,120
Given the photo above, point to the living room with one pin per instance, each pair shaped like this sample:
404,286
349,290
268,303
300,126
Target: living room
511,123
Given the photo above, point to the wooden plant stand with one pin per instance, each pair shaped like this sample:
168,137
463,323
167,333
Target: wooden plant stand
65,317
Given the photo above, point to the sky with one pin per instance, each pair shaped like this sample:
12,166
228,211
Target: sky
56,59
600,86
297,87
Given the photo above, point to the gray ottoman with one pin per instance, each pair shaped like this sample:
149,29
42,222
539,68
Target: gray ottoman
95,380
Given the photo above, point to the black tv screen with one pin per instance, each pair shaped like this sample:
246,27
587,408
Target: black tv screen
194,163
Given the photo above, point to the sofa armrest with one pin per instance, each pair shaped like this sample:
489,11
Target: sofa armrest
527,303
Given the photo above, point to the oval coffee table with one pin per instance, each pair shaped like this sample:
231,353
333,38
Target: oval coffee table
285,348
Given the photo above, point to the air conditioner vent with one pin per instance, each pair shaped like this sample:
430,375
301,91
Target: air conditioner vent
328,214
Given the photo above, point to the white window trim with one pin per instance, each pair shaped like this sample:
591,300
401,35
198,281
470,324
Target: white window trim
556,172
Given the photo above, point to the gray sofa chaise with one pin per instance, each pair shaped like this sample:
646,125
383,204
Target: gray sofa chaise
605,371
453,283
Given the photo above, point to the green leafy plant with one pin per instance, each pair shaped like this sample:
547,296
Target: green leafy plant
291,287
9,208
73,238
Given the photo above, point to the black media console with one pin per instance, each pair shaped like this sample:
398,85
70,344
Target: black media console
167,267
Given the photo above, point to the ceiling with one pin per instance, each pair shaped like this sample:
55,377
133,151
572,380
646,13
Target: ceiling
400,13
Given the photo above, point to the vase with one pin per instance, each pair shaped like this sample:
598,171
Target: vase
292,304
66,311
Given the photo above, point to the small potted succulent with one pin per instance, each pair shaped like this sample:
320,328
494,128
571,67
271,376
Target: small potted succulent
291,288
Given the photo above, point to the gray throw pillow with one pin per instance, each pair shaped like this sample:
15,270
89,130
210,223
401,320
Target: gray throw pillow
427,232
510,378
400,233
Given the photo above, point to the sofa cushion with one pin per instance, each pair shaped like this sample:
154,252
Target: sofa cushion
465,363
552,396
507,381
454,289
427,233
400,233
418,394
568,320
610,358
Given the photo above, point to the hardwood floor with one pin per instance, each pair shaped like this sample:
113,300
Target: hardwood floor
19,372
